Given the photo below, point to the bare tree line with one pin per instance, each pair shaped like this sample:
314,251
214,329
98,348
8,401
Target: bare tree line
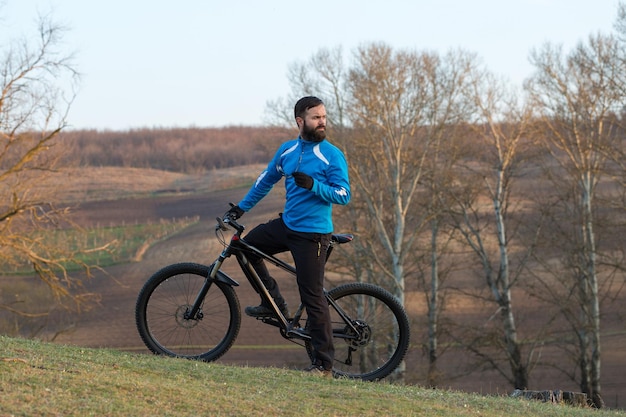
187,150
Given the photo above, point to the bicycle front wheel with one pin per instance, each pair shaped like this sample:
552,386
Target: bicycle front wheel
162,314
370,331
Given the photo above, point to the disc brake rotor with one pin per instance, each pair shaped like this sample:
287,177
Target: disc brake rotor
182,312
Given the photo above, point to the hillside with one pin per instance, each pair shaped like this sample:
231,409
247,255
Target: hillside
116,183
52,379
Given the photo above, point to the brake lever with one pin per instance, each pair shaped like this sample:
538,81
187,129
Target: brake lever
221,224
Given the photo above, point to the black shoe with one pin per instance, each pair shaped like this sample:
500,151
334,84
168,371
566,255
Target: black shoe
262,311
319,370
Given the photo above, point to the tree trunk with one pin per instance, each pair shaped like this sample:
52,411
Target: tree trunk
591,281
433,308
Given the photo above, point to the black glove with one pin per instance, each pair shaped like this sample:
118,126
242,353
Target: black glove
303,180
235,212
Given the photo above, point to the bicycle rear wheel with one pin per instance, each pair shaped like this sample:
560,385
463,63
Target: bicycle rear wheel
161,318
373,339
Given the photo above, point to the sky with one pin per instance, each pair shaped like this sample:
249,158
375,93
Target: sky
215,63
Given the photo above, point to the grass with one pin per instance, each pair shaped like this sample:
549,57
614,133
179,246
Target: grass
38,379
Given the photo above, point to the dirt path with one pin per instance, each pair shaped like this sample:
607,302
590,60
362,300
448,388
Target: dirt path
114,212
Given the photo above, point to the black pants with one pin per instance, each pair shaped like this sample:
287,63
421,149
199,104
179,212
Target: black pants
309,255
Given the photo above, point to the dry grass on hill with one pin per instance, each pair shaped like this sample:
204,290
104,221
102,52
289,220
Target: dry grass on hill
112,183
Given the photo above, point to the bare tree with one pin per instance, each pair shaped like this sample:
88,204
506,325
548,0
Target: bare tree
385,108
578,104
500,129
451,109
436,264
35,77
408,107
401,103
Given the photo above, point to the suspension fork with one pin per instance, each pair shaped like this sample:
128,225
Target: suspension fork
192,313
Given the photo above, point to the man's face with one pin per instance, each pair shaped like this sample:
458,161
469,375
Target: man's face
313,125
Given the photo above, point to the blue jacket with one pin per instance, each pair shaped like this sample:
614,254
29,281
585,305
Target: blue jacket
305,210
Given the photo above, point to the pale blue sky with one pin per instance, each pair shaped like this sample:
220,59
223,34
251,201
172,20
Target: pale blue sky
210,63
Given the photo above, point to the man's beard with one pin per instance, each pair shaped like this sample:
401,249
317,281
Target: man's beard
313,134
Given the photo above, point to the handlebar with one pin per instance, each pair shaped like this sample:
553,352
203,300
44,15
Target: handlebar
224,222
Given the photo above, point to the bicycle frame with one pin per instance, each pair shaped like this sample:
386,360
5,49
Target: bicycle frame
239,247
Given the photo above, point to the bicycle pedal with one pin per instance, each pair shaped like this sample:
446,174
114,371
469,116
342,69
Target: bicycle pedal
267,319
271,319
299,333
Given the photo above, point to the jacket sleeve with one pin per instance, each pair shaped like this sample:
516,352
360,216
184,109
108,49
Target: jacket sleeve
263,184
336,187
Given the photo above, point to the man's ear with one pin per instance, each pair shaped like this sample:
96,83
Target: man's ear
299,122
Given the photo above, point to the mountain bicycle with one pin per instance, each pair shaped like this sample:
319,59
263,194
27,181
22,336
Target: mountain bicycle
189,310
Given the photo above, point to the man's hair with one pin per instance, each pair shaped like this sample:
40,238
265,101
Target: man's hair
304,104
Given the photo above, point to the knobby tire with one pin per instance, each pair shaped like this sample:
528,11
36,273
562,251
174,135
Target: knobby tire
160,309
384,327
